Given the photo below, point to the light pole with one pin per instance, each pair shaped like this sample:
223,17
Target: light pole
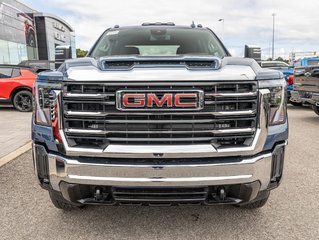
273,36
223,21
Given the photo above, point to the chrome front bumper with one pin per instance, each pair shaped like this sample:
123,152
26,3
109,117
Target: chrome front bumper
257,168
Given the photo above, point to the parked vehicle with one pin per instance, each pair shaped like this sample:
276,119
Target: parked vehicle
277,65
307,86
159,114
308,66
306,61
16,85
38,65
286,69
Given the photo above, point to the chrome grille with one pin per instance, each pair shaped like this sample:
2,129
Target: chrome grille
90,117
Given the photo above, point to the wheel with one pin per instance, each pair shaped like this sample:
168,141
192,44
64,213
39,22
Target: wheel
296,104
259,202
60,203
316,109
22,101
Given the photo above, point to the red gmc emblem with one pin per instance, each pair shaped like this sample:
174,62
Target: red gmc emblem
159,100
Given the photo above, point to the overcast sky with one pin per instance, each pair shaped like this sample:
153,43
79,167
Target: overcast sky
246,21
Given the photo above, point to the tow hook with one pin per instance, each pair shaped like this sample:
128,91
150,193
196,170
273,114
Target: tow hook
99,195
222,194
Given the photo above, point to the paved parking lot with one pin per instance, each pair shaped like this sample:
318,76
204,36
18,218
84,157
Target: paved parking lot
15,129
291,213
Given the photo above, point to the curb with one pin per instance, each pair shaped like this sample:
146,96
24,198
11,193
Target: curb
16,153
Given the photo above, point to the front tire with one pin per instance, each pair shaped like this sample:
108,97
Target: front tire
60,203
22,101
316,109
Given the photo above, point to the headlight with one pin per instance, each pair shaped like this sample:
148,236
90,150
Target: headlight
277,106
277,112
47,106
46,103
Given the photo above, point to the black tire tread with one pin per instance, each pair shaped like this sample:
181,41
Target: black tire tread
14,96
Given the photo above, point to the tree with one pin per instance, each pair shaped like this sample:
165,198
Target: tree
80,53
282,60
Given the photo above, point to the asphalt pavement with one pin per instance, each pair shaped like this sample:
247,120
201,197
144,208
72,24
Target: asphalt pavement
292,211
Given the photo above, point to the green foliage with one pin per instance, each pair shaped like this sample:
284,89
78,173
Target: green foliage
80,53
278,59
282,60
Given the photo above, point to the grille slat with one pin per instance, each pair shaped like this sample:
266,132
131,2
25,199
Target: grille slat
88,95
160,194
229,101
236,95
81,100
215,132
104,114
229,116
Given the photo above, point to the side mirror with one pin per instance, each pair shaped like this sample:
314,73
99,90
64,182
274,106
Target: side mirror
253,52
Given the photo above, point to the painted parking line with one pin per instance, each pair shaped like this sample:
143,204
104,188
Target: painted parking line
16,153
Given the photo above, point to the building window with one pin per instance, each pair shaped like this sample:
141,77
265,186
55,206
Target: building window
4,52
14,53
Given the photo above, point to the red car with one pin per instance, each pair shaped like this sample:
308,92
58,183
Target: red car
16,85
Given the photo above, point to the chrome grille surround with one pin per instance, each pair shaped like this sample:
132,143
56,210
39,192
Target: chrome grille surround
229,122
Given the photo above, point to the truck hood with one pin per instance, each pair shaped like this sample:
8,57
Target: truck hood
131,69
161,74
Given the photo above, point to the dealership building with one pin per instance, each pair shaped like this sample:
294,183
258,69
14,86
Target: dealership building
26,34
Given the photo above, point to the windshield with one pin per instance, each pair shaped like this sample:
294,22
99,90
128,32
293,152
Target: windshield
158,41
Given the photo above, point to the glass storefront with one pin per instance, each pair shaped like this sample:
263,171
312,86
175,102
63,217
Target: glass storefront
14,53
26,34
17,33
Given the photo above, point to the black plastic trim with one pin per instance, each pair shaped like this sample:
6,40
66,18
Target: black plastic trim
155,196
